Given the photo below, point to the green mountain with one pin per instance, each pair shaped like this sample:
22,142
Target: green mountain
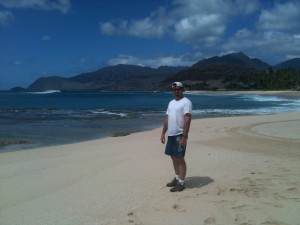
235,70
218,72
113,78
234,59
292,63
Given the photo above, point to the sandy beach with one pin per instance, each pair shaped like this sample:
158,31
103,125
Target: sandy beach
241,171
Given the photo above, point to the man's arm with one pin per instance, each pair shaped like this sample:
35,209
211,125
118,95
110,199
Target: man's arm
164,130
186,128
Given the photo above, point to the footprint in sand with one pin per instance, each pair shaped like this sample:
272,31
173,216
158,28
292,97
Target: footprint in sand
292,189
220,191
210,221
178,208
243,207
224,203
239,218
130,220
273,204
273,222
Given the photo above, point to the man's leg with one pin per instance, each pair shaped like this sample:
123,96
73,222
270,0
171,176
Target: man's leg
175,165
176,170
180,165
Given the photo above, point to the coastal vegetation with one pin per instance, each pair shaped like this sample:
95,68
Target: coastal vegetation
278,79
285,79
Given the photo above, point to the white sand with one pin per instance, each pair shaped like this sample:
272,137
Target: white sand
241,171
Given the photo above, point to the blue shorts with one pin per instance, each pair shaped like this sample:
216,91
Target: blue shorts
173,147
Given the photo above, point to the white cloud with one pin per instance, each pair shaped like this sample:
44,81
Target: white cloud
207,28
155,61
17,63
206,21
46,38
268,44
285,17
218,26
6,18
189,21
246,7
61,5
107,28
141,28
276,37
292,56
153,26
146,28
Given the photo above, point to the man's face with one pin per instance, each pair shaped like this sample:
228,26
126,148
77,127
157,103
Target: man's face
178,92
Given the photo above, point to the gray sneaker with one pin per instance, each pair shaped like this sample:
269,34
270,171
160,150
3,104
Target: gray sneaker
178,187
172,183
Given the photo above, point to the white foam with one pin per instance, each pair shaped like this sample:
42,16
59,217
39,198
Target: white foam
102,111
262,98
45,92
244,111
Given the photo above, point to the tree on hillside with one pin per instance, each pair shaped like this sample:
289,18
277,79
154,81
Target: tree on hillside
279,79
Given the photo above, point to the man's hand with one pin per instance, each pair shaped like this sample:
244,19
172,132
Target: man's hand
163,139
183,141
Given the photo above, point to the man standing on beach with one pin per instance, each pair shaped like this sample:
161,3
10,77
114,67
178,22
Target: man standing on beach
177,123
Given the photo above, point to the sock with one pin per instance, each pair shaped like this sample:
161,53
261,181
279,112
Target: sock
177,177
181,182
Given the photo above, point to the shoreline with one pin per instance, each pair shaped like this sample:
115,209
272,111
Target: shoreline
239,168
16,144
288,94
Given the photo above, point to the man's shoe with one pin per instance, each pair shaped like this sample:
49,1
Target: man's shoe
178,187
172,183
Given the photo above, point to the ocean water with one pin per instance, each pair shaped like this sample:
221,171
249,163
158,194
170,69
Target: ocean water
36,119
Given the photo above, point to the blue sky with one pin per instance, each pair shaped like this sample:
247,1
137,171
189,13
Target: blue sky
68,37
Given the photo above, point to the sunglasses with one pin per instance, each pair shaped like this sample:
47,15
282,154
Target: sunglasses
176,89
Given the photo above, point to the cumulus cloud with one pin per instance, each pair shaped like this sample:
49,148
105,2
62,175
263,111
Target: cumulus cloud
246,8
61,5
107,28
6,18
276,35
140,28
201,24
213,26
190,21
206,28
265,44
182,60
153,26
284,17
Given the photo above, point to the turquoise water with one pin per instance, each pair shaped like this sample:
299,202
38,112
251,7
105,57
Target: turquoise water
53,117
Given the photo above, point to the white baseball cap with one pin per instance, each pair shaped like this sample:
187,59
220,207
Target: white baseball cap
177,84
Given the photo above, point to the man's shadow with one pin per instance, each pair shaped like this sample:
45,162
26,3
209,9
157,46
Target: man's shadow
197,182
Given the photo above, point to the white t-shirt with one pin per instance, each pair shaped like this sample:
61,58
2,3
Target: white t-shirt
176,111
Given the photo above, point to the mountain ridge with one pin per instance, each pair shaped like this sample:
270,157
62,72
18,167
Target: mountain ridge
214,71
234,58
291,63
113,78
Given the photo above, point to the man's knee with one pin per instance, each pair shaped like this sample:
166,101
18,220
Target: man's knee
179,160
